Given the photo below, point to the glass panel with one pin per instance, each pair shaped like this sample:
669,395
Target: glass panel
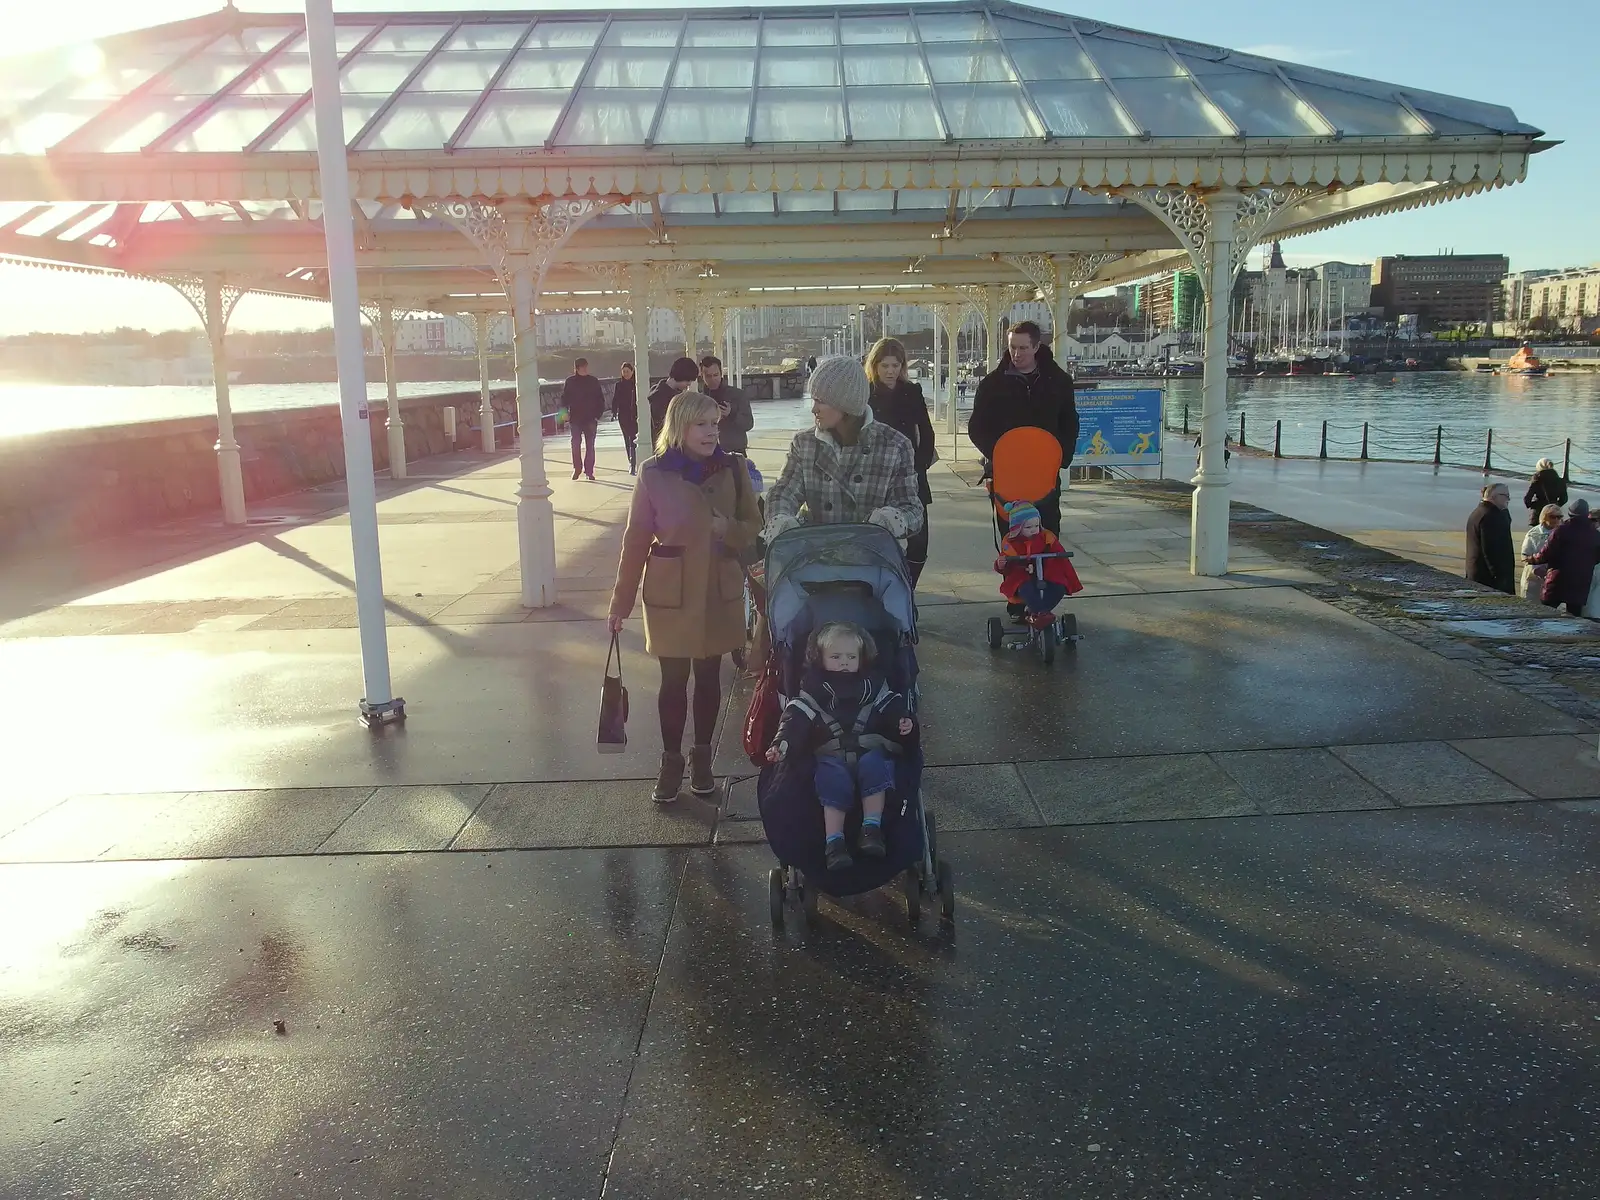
1127,60
565,33
720,33
422,122
544,68
203,75
865,201
347,37
286,75
233,124
409,37
609,118
52,217
377,72
800,68
1453,126
139,123
487,37
747,202
301,133
1038,197
459,71
987,110
893,114
522,118
1015,31
1172,108
111,82
922,198
709,117
871,64
698,203
790,32
805,202
263,38
630,68
1360,116
1081,108
971,198
642,33
714,69
1261,106
953,27
872,31
790,115
36,134
957,62
1051,59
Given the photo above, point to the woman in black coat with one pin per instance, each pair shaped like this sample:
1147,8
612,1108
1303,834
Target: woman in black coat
1546,487
1571,554
899,404
625,405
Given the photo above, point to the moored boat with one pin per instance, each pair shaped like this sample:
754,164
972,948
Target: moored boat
1524,362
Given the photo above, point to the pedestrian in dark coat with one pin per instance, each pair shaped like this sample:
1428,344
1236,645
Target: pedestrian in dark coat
737,419
1571,555
1546,487
625,406
679,379
585,402
898,403
1027,387
1489,556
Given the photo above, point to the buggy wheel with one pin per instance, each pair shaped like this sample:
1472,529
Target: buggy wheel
996,632
913,889
947,893
775,895
738,658
808,899
1047,644
1069,627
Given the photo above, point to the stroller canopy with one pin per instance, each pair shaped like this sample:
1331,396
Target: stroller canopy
811,560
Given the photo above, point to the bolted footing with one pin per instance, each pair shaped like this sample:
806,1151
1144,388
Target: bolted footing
376,716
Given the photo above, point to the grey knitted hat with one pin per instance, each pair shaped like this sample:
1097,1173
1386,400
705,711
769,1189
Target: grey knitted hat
841,382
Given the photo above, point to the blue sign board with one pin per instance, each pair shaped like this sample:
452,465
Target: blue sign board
1118,428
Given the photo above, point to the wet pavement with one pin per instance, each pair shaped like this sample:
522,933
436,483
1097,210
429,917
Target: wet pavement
1357,1004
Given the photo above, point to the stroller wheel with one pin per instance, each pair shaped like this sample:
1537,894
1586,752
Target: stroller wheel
1047,643
808,899
996,632
775,895
913,888
1069,627
947,892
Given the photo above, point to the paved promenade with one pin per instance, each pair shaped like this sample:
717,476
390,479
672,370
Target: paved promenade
1260,892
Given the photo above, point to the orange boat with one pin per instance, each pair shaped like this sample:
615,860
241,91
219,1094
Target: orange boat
1525,362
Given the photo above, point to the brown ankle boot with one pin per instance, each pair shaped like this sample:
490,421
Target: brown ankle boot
670,781
701,782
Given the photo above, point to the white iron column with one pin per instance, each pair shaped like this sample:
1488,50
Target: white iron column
394,424
719,337
641,361
1208,542
230,474
481,324
999,306
380,704
536,517
938,365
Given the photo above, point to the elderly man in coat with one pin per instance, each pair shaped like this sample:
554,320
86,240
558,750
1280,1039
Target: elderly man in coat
1570,555
1489,556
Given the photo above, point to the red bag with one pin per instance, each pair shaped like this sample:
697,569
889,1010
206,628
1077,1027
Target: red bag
761,721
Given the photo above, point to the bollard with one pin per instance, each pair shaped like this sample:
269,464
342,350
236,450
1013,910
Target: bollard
448,412
1438,445
1185,420
1363,441
1277,438
1323,453
1488,453
1566,463
1242,442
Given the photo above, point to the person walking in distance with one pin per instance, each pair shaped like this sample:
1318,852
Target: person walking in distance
898,403
625,407
585,402
737,419
680,378
1490,559
1546,487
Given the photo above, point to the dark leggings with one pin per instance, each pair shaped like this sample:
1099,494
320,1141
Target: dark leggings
917,551
674,700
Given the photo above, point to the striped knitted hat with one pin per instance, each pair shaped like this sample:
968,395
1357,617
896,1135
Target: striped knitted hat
1020,513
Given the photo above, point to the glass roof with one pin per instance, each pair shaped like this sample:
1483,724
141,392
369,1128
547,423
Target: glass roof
232,83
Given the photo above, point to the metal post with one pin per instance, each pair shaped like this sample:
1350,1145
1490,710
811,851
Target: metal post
1323,453
481,324
380,704
640,312
230,475
1488,453
938,365
394,423
448,416
1185,420
1208,540
1438,446
719,340
536,527
1277,438
1242,442
1363,441
1566,463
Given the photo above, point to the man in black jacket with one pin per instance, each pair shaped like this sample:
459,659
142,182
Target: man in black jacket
585,402
1489,556
680,378
733,430
1027,388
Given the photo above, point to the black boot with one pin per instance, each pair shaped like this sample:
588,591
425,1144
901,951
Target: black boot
670,781
701,781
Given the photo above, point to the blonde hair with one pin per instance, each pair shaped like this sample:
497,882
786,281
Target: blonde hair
886,347
688,408
834,631
1550,510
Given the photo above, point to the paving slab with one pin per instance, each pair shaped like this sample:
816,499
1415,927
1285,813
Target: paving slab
1294,781
1551,768
1423,773
546,815
1155,788
453,1025
83,828
407,818
269,821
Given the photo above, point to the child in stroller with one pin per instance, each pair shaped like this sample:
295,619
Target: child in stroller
849,718
1035,571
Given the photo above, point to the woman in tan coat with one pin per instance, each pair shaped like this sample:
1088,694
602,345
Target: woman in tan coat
693,511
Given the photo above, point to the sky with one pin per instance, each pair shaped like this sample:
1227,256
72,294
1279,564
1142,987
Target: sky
1534,58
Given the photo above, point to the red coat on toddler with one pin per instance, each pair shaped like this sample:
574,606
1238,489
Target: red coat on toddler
1028,537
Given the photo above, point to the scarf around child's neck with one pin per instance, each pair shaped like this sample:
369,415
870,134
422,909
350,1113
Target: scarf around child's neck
695,470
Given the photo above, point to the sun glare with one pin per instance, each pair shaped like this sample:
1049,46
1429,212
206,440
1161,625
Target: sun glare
84,61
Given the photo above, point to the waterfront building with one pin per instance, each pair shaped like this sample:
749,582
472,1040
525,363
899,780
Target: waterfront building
1170,301
1558,301
1441,290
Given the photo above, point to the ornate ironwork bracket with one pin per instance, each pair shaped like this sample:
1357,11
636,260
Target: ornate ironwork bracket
1040,270
1079,271
532,230
193,289
1188,215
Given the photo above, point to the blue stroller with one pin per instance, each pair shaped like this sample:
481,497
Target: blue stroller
816,574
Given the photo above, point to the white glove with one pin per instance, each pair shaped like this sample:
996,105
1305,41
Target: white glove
891,519
780,524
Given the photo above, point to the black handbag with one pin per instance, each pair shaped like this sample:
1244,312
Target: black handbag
613,734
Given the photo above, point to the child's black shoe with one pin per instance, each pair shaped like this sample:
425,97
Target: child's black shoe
872,845
839,856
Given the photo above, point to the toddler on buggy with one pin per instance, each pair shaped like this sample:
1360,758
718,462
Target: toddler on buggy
817,576
1036,570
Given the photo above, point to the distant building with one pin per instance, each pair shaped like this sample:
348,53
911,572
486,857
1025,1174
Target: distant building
1560,300
1171,301
1343,287
1441,290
